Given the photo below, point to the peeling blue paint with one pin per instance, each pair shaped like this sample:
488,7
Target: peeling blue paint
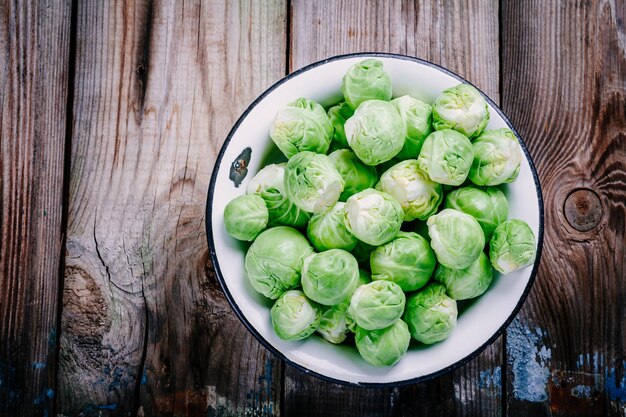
529,362
120,378
491,379
39,365
92,410
596,362
267,378
555,381
259,401
267,409
545,354
49,393
581,391
144,378
112,406
587,359
52,337
616,391
115,378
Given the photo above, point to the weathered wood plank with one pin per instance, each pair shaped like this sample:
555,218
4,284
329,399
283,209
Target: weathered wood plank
462,36
145,327
34,57
564,86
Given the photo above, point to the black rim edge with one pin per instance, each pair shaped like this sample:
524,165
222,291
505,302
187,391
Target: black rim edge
269,346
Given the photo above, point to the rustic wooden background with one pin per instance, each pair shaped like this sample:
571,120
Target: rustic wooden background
112,113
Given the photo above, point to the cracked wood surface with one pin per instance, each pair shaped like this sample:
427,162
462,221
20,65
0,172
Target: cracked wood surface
145,329
565,90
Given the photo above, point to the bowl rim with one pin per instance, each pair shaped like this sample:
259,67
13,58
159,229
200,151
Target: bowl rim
252,329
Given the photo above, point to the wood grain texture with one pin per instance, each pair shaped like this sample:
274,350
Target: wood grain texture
462,36
145,327
459,35
564,87
34,56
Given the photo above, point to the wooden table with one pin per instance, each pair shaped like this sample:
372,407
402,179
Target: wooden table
112,113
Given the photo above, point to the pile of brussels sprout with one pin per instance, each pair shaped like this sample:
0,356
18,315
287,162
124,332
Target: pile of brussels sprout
386,213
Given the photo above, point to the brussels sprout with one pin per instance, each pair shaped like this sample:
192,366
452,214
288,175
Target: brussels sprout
269,183
274,260
407,260
512,246
330,277
456,238
333,326
356,175
302,126
366,80
338,115
376,305
364,279
312,182
462,284
327,230
497,158
461,108
416,116
383,347
412,188
375,132
487,205
294,317
430,314
374,217
245,217
447,157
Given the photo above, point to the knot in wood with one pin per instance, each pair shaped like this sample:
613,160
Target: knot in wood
583,209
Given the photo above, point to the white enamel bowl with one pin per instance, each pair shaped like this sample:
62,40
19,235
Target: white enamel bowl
480,321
